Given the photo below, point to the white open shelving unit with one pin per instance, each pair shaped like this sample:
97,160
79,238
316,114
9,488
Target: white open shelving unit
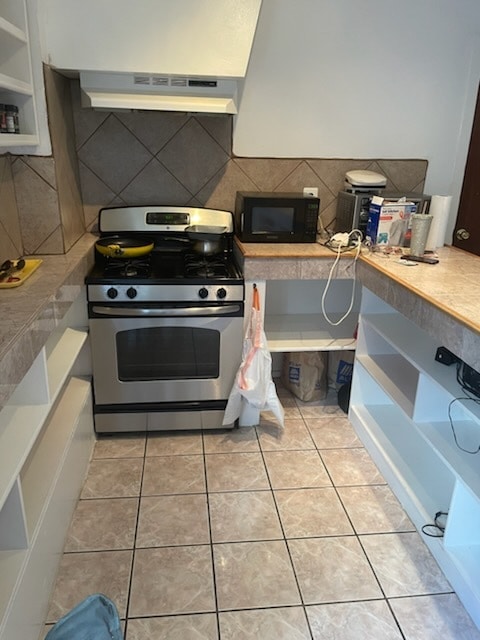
46,435
16,80
399,406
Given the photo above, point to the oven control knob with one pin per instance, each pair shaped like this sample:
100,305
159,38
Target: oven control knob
112,293
221,293
203,293
131,293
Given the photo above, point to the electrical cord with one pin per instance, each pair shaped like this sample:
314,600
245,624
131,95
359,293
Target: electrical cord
342,248
462,370
468,389
437,528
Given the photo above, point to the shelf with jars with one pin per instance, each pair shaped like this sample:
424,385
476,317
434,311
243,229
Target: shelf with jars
18,121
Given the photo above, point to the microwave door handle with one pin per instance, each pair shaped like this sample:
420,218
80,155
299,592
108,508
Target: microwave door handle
187,312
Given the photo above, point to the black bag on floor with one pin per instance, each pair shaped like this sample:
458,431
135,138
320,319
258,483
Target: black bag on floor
344,397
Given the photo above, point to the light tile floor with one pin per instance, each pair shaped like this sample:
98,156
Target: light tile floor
253,533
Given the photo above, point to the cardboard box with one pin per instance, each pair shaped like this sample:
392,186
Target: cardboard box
389,222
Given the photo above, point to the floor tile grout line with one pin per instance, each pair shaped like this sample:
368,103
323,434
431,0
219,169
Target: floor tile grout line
208,493
285,539
351,524
253,540
212,554
130,581
334,485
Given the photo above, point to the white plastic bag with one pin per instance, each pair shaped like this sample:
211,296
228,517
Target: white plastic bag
253,382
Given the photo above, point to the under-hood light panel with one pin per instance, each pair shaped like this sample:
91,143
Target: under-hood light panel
142,101
159,92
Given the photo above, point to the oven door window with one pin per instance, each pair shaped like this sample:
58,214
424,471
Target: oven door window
167,353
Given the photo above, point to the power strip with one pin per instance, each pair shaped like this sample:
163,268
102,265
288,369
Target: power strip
340,240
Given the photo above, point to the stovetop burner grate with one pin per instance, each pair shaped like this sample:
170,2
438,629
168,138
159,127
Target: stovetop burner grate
136,267
205,266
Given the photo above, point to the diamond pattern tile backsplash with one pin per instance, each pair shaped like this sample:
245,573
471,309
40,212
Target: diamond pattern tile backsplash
179,159
149,157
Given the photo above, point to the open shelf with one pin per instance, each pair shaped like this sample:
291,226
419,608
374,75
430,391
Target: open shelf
309,332
401,451
441,437
38,473
10,83
16,78
395,375
411,414
13,534
8,28
404,338
294,320
46,438
13,15
11,563
48,486
20,424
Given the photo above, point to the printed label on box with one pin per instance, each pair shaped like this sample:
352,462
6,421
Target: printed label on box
389,222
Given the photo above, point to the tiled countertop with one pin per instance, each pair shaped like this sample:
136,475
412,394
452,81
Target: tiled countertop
310,261
29,313
443,299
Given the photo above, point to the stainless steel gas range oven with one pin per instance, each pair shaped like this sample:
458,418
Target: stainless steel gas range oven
166,325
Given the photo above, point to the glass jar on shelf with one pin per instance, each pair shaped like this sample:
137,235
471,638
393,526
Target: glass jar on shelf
3,119
11,117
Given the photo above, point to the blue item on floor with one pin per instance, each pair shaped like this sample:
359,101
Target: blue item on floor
95,618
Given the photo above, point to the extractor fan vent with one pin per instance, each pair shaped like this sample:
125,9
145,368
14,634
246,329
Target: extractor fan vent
178,82
160,81
151,81
144,80
174,81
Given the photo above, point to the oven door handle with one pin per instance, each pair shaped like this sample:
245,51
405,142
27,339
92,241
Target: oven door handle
186,312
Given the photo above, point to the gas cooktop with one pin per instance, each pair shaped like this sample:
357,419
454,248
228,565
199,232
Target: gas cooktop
163,268
192,257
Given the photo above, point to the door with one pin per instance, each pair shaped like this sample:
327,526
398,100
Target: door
466,234
154,360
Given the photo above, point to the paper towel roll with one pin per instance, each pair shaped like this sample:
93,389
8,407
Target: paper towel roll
439,209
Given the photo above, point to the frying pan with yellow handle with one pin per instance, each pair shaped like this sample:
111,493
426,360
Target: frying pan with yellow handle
121,247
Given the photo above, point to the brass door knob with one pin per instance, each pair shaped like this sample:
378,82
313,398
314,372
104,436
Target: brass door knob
462,234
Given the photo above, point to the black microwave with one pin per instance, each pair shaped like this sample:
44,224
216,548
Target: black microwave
276,217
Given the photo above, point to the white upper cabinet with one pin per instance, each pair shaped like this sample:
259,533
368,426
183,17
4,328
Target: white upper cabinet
16,83
185,37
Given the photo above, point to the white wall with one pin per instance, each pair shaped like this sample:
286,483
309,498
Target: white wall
363,79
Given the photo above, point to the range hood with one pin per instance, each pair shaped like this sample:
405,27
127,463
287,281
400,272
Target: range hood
159,92
187,55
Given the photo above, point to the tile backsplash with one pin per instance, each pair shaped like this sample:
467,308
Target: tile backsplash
103,158
11,245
